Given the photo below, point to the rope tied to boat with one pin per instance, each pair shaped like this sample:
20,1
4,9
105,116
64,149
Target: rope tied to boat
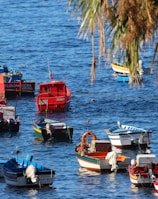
69,134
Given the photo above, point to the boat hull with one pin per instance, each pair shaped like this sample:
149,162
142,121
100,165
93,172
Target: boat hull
52,104
98,163
19,88
119,68
25,173
140,181
45,179
120,78
59,131
9,122
125,141
125,136
155,183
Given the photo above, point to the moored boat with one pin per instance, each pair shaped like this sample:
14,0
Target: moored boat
122,72
118,68
98,156
52,130
9,121
27,173
144,170
14,83
53,96
125,136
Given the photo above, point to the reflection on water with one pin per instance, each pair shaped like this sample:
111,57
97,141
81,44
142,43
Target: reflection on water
32,192
37,141
133,188
62,117
8,134
83,171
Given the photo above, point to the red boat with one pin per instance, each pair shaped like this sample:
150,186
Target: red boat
144,171
3,100
53,96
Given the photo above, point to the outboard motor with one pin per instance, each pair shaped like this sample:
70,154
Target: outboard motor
30,174
112,158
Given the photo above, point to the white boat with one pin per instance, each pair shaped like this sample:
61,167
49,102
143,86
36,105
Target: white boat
117,68
121,69
125,136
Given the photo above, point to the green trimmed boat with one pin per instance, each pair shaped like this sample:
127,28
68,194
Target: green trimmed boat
52,130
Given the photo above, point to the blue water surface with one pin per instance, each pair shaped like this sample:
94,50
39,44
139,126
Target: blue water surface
36,35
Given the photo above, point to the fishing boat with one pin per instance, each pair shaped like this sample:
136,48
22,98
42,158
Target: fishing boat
9,121
118,68
52,130
144,170
14,83
125,136
27,173
122,69
97,155
53,96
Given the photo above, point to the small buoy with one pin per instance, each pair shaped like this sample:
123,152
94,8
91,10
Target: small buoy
92,100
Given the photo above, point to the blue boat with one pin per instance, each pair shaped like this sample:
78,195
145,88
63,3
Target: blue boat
122,78
26,173
10,75
14,83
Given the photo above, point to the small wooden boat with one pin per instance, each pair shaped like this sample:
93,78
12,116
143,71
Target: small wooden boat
117,68
52,130
9,121
144,170
53,96
26,173
14,84
98,156
125,136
